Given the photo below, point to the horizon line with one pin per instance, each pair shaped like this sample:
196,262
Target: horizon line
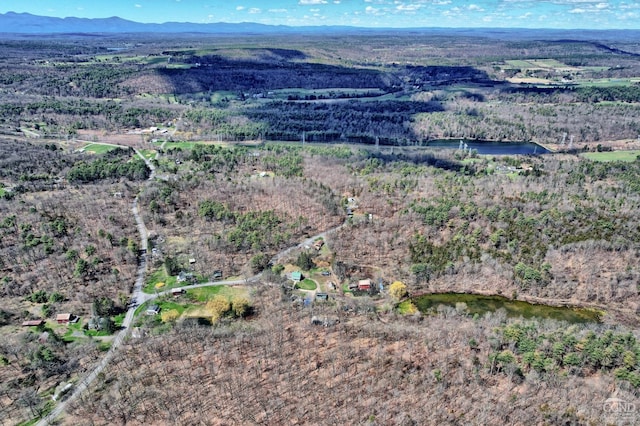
358,27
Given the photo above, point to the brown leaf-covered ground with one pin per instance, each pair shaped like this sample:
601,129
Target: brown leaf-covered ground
277,368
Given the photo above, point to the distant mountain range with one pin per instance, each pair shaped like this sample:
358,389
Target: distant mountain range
25,23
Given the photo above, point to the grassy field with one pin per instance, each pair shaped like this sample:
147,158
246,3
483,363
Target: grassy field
157,277
539,64
203,294
148,153
307,284
609,82
628,156
98,148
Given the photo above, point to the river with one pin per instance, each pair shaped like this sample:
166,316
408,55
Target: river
490,147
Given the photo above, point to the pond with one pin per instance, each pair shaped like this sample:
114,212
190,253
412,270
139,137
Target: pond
490,147
478,304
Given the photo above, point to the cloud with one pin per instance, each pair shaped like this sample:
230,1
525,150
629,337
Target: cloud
138,6
311,2
278,10
475,8
408,7
591,8
240,7
255,10
370,10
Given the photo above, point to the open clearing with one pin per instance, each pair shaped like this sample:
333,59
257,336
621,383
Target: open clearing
628,156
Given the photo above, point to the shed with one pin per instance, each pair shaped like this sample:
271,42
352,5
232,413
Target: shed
322,296
65,318
153,310
33,323
296,276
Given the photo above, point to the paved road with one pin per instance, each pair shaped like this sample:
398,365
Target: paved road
137,294
140,297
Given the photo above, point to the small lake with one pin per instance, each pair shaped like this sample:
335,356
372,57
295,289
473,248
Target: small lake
478,304
491,148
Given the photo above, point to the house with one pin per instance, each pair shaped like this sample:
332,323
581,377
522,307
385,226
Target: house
296,276
66,318
364,285
217,274
33,323
184,276
175,292
153,310
322,296
318,244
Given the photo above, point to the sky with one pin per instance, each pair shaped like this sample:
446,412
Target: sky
569,14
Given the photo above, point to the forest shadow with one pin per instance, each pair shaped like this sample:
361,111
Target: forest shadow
265,69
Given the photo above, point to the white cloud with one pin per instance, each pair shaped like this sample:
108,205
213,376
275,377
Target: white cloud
255,10
475,8
370,10
240,7
314,10
408,7
278,10
138,6
311,2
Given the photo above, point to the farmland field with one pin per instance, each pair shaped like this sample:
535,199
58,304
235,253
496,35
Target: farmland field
627,156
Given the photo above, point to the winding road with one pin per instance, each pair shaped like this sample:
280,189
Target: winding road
140,297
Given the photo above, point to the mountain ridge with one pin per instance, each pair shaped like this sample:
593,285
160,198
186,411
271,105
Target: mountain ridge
26,23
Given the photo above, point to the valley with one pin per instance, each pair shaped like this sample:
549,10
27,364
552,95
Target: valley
239,229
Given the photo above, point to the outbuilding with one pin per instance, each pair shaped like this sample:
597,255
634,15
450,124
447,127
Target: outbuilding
65,318
153,310
364,285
